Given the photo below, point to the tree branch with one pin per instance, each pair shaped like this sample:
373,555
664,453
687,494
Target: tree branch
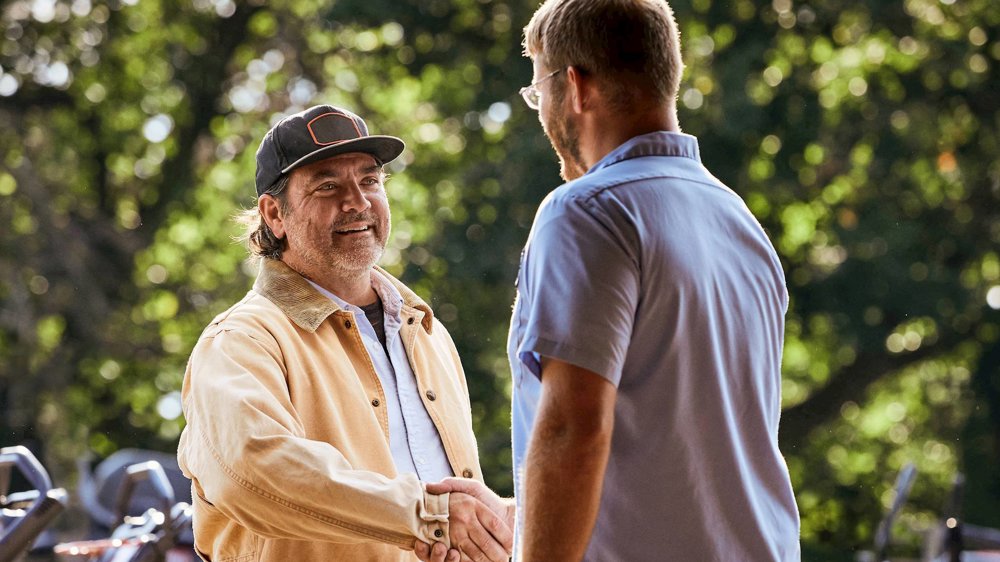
204,87
851,383
33,96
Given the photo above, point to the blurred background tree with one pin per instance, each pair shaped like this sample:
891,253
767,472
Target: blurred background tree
863,135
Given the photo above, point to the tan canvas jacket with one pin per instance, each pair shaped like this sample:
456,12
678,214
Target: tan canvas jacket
287,440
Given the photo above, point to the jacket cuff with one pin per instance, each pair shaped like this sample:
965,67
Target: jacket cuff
434,517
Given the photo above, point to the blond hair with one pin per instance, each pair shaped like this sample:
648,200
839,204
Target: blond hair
633,46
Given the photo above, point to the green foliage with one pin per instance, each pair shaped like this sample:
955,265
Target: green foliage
863,135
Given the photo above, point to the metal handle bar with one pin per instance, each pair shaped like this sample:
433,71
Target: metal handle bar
153,472
980,538
29,466
47,502
902,488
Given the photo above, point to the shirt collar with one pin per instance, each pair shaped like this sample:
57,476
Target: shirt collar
657,143
308,308
392,301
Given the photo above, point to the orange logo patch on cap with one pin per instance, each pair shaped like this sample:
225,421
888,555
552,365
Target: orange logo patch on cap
333,128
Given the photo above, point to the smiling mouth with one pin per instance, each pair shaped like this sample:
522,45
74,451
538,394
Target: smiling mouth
353,230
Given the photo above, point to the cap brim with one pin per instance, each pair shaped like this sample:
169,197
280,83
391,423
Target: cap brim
385,149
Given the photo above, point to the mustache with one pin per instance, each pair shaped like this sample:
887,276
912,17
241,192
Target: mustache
364,216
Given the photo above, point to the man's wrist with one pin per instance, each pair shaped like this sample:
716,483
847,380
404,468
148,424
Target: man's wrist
510,510
434,513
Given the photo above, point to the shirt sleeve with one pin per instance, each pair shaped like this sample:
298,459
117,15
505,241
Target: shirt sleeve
581,277
245,449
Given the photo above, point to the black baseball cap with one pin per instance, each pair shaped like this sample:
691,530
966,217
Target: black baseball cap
320,132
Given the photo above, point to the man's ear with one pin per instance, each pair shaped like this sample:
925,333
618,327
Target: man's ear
270,210
579,89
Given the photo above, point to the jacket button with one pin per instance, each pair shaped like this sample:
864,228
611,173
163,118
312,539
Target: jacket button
438,533
467,473
347,324
409,320
431,395
375,402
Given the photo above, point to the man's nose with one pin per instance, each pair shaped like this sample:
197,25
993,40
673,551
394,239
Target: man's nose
355,200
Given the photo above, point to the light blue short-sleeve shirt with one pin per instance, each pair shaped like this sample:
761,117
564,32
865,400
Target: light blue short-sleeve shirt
653,274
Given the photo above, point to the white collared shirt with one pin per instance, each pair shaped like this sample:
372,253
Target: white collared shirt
413,440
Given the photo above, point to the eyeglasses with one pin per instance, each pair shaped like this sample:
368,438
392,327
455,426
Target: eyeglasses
532,96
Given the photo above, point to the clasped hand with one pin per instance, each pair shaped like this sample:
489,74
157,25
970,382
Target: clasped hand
481,524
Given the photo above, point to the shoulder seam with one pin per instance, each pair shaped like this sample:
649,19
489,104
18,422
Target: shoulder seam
601,187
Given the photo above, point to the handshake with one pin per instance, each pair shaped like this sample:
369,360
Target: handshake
481,524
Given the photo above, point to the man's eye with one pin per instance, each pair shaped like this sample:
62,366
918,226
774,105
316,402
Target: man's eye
370,181
327,187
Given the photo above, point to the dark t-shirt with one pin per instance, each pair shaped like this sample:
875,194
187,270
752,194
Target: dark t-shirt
376,317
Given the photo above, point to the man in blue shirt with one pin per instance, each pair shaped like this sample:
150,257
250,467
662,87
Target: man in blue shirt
647,334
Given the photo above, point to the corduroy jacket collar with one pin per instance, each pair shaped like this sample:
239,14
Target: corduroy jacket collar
305,306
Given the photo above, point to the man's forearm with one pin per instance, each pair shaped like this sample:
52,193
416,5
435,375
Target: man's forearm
565,465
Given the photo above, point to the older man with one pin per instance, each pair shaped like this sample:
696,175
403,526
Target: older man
646,339
318,405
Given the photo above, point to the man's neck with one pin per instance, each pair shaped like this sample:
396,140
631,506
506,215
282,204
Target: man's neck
603,131
358,294
354,289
